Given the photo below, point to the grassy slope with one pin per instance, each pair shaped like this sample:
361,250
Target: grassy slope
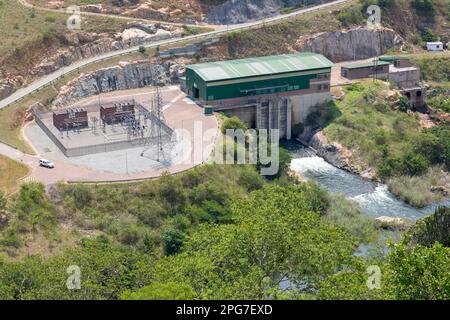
10,172
368,125
412,22
372,130
11,119
21,26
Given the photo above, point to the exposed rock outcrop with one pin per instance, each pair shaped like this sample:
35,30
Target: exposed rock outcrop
391,223
8,85
99,44
145,11
239,11
6,89
127,75
339,156
353,44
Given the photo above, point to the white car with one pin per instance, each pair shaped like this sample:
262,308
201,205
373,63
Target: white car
46,163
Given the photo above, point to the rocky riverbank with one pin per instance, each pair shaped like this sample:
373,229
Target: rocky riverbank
339,156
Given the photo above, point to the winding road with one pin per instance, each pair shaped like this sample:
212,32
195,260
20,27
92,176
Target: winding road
47,79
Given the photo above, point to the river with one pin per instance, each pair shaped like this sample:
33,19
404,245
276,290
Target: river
373,199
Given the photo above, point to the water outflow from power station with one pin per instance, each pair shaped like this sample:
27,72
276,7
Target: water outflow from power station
373,199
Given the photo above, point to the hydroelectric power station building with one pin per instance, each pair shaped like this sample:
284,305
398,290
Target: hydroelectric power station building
273,92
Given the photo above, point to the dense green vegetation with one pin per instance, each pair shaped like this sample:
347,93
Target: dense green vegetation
435,228
433,68
275,234
240,246
441,101
146,216
212,232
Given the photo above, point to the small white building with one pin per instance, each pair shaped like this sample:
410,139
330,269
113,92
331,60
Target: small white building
435,46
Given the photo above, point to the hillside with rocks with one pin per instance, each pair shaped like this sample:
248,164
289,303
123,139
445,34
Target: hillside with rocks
125,75
63,49
187,11
354,44
232,11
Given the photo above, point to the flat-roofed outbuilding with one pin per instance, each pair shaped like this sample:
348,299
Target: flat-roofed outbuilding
369,69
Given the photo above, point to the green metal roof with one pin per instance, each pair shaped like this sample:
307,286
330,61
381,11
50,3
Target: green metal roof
364,64
261,66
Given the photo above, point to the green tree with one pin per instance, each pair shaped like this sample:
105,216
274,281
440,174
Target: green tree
420,273
161,291
413,164
432,229
106,271
233,123
173,240
275,236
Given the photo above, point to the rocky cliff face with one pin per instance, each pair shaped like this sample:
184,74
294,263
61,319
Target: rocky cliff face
134,35
239,11
127,75
354,44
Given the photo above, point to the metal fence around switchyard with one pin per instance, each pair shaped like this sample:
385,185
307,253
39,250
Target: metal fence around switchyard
87,136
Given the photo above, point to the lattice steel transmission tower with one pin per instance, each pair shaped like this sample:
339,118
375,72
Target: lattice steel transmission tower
158,127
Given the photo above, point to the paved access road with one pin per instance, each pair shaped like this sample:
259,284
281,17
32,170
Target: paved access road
45,80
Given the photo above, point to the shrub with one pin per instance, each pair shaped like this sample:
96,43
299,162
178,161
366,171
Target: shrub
423,7
413,164
352,16
313,118
81,195
428,36
432,229
49,17
298,129
416,190
251,180
47,33
233,123
173,240
347,215
404,104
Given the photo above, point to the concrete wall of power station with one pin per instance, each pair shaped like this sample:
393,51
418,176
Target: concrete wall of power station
303,105
279,112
